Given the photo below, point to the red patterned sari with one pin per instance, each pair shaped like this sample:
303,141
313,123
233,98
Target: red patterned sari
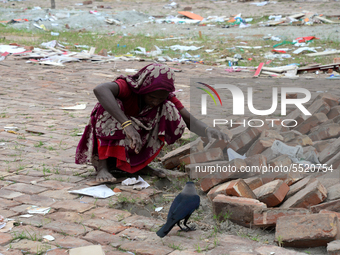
104,137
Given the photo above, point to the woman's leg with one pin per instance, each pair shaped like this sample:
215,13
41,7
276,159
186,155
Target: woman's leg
103,174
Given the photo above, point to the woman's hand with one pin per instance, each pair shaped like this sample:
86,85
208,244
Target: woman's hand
134,137
214,133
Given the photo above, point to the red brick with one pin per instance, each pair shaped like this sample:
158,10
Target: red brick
334,161
301,184
313,121
307,230
288,136
143,248
302,140
272,193
321,145
333,193
330,206
268,217
197,171
219,189
101,237
334,112
171,159
260,145
326,132
256,160
202,157
333,248
109,213
69,228
239,188
313,194
295,115
5,238
319,106
26,188
282,160
271,134
254,182
242,142
289,178
330,151
336,119
69,205
239,209
87,2
216,143
103,52
269,154
213,179
329,98
330,212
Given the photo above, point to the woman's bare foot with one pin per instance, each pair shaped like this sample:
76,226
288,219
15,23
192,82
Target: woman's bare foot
155,172
103,174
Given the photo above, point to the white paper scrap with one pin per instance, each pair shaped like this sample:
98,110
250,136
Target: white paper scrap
101,191
2,225
49,237
76,107
38,210
137,184
26,216
158,209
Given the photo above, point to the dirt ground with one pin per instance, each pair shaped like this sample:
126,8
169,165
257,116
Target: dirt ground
32,94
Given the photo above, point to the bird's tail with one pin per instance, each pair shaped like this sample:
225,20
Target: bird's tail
165,229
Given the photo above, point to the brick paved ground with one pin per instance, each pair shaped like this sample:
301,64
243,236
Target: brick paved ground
38,169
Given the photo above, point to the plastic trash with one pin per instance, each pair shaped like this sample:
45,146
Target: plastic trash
233,154
54,33
294,153
101,191
137,183
184,48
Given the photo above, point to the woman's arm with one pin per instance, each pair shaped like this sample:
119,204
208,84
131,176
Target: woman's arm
200,128
106,94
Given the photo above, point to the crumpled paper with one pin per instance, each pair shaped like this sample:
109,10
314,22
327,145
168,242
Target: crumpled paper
137,183
101,191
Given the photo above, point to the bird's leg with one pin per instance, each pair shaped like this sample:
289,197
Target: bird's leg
185,224
182,229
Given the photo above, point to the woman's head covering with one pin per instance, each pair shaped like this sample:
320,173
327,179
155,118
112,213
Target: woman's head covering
151,78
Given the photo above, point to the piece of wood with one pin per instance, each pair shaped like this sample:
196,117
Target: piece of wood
272,74
331,52
258,70
325,20
279,69
191,15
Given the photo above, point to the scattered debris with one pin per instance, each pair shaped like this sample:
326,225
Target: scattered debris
101,191
137,183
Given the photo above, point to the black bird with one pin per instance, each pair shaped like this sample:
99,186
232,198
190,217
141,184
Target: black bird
181,208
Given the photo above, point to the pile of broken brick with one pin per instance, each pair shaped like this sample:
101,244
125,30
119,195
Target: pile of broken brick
303,203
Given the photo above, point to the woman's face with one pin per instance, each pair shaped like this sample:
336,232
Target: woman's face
155,98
